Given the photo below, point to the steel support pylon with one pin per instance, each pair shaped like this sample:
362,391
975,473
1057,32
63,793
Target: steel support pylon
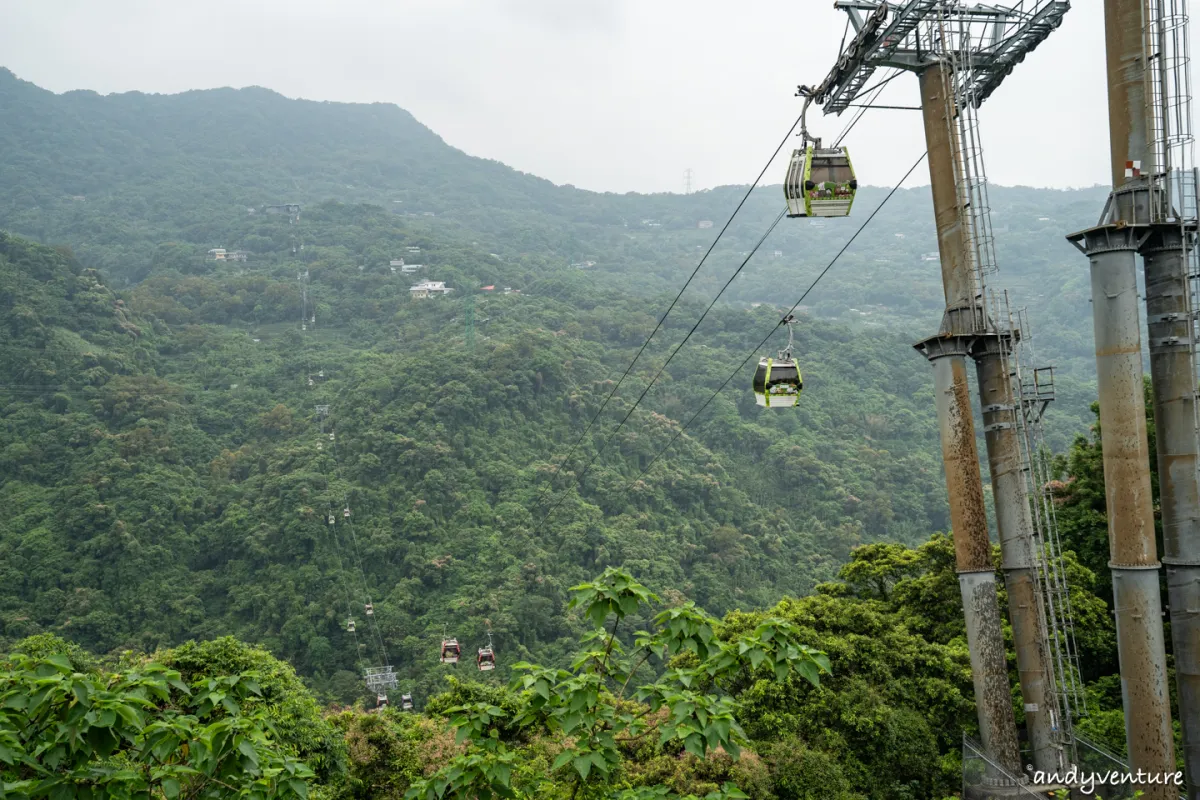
1172,374
1112,250
973,550
1125,227
948,351
1015,526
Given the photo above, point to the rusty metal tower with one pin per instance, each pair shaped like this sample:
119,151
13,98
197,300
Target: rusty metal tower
1151,212
961,53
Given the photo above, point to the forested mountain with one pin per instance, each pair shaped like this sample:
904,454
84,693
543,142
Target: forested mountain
181,437
117,176
166,462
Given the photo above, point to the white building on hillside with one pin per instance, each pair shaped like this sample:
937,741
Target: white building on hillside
426,289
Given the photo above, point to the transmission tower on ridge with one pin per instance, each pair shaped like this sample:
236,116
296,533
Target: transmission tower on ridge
687,181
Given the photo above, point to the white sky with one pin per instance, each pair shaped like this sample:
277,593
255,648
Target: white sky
610,95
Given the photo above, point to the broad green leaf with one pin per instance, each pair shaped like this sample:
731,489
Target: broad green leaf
694,744
808,670
756,657
61,662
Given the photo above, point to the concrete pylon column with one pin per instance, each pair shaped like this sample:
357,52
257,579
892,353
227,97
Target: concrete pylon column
1015,525
1173,376
1112,251
1111,247
973,550
947,351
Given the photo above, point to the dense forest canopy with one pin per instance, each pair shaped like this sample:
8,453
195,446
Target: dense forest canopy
194,447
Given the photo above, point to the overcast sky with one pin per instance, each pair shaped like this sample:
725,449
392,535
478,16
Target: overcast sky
611,95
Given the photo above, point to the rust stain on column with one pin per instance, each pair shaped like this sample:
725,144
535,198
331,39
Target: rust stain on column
942,142
964,485
1128,112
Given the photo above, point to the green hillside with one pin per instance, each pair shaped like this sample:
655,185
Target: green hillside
181,439
165,470
449,450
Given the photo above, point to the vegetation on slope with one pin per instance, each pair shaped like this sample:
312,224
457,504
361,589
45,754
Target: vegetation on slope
857,691
167,477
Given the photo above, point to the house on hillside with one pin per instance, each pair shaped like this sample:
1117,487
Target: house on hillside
236,255
396,262
216,254
413,249
427,289
286,208
409,269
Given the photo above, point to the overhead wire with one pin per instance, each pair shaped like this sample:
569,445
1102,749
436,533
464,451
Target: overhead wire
674,302
372,623
757,348
349,603
877,89
679,346
849,127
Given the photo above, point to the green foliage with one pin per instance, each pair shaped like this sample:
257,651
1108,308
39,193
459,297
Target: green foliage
284,699
388,750
136,734
47,644
689,705
177,506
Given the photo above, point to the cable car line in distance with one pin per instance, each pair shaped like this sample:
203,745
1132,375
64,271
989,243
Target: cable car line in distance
763,343
703,259
678,347
878,88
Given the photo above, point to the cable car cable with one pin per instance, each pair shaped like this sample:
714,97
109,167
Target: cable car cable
679,346
372,623
878,89
349,602
757,348
646,344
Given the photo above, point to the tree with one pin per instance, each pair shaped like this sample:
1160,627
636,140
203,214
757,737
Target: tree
139,733
588,708
295,717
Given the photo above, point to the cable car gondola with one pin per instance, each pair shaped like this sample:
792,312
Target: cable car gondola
381,700
406,702
486,659
778,382
820,182
450,651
